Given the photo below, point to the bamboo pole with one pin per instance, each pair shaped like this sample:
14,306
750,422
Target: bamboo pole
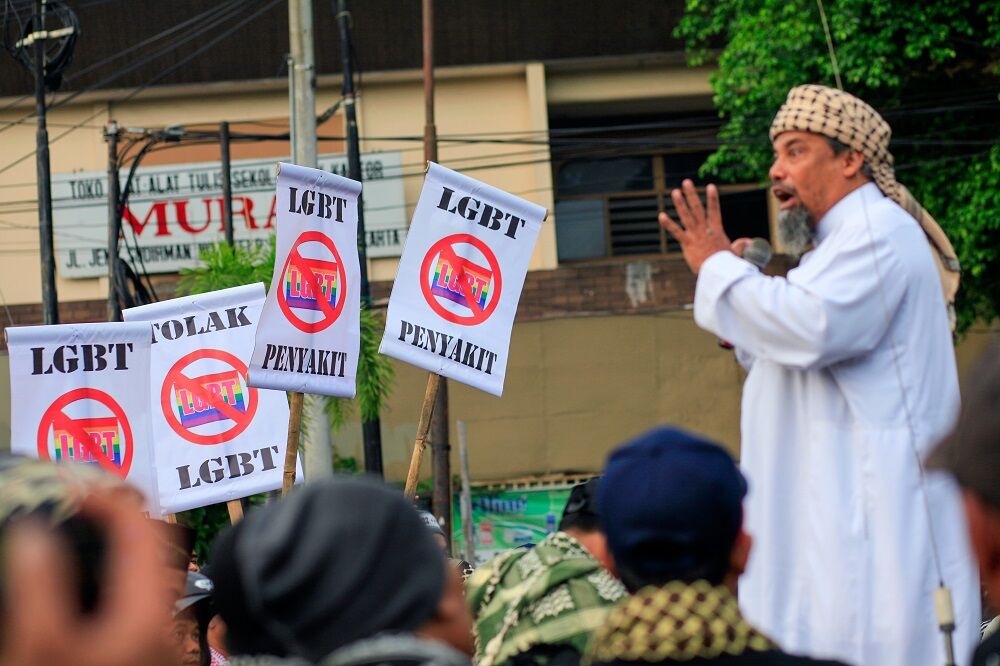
423,425
466,496
292,447
235,511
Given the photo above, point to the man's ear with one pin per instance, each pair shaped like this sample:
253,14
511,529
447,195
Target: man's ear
984,535
853,161
609,564
740,552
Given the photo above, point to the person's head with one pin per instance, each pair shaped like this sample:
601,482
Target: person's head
217,634
337,561
671,505
434,527
580,520
50,494
827,143
451,623
186,638
192,612
972,455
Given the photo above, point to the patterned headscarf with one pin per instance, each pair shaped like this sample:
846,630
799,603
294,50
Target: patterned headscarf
555,594
839,115
678,622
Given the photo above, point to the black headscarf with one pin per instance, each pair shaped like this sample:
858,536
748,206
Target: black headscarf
336,561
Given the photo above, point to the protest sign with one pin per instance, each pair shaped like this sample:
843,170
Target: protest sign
309,331
216,438
79,392
455,296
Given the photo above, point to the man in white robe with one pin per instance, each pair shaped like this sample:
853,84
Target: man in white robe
851,380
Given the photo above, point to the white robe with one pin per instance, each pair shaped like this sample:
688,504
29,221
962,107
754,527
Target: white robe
842,564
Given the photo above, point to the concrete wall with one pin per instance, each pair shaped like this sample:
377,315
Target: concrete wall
575,388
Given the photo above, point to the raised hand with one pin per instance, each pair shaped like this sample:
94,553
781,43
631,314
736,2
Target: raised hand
700,234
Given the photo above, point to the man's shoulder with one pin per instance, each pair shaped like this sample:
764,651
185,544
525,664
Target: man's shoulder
874,214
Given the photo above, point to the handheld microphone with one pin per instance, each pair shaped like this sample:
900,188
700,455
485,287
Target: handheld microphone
758,252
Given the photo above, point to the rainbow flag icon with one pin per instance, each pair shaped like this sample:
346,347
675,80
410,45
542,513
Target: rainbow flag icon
193,410
300,291
104,437
448,280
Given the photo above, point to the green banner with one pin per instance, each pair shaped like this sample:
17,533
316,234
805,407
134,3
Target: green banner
506,519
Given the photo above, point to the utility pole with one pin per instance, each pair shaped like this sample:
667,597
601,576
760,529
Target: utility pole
371,430
50,301
227,183
114,221
440,448
300,37
319,452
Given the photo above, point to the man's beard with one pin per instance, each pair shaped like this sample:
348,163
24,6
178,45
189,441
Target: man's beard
795,230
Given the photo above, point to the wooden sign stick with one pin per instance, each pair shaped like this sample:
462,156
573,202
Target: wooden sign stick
235,511
292,447
423,426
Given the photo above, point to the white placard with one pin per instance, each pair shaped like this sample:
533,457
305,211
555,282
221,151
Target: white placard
310,330
80,393
175,211
215,437
460,277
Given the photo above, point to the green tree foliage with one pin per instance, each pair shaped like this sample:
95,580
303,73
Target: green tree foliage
932,68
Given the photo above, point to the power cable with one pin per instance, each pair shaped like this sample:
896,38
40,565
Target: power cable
233,7
194,20
238,7
165,72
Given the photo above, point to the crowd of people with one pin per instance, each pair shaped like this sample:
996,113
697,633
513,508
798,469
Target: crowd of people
838,546
643,568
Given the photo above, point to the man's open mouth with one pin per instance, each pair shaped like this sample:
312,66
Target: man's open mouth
785,196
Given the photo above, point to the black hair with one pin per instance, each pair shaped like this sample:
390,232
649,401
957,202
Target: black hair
839,147
580,522
675,561
580,513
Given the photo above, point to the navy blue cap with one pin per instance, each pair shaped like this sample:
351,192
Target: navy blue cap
671,505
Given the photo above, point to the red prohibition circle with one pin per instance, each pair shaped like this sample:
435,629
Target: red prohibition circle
55,413
447,244
331,313
241,420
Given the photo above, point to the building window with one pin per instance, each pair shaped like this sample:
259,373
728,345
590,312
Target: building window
608,207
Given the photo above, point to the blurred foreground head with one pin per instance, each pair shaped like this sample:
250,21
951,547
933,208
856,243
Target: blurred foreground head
78,554
971,453
670,503
337,561
50,495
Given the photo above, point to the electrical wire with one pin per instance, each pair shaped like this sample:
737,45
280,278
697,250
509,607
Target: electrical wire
194,20
166,72
415,169
207,23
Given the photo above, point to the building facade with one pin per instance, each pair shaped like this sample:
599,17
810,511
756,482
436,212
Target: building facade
587,109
